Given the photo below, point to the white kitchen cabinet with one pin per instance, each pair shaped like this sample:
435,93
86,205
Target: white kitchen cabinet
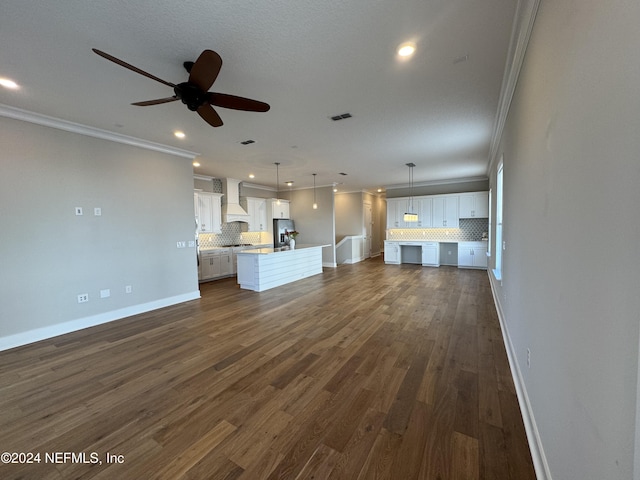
391,252
474,205
472,254
445,211
208,212
431,254
257,210
277,208
392,213
424,209
215,263
396,208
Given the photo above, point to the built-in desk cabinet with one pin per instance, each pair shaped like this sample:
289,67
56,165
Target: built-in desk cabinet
391,252
472,254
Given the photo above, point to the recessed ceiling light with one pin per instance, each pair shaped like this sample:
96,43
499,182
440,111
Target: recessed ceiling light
406,49
251,175
6,83
196,163
179,134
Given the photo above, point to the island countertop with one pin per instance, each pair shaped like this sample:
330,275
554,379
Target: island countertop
269,251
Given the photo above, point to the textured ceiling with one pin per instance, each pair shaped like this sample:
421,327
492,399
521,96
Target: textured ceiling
309,60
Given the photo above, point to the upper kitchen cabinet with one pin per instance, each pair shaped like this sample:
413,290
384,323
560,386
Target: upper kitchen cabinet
474,205
424,208
445,211
257,210
396,208
277,208
208,212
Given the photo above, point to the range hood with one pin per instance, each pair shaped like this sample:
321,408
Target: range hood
231,209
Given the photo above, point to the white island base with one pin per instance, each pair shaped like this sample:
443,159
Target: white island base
264,268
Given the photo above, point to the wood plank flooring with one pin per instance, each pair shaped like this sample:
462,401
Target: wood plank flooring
365,372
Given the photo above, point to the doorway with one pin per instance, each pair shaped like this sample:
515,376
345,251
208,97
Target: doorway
368,229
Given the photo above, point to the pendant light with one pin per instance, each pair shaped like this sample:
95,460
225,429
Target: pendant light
277,182
410,217
315,203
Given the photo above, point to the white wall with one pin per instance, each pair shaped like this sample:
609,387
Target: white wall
49,255
571,276
315,226
349,214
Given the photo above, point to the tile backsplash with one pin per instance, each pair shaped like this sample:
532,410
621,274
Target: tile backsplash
470,229
232,234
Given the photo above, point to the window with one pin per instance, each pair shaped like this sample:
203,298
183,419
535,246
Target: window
499,245
490,222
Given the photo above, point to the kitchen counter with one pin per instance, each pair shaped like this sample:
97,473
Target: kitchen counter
466,253
260,269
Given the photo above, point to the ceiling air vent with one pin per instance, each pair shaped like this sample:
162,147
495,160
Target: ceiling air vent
341,117
247,142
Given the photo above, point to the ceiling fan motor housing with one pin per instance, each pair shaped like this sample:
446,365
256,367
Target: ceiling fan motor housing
190,95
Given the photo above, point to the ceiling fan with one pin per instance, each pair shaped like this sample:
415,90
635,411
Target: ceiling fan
194,92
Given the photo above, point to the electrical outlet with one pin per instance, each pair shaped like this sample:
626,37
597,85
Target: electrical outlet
128,289
105,293
97,211
78,211
528,358
83,297
192,243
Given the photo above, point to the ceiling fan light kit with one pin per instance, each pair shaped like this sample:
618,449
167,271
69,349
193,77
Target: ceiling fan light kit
194,93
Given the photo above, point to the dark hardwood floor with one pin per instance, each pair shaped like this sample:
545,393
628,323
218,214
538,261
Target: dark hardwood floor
365,372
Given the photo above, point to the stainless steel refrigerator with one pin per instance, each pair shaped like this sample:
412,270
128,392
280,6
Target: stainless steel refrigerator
280,226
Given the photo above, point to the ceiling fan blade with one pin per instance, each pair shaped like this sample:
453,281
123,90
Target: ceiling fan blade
205,70
156,102
131,67
236,103
209,115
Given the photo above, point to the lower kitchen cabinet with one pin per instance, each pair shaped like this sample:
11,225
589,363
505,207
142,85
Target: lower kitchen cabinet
391,252
215,263
431,254
472,254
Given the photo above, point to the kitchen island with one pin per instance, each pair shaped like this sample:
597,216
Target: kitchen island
264,268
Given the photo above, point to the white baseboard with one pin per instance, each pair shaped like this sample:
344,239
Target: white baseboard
533,436
38,334
329,264
354,260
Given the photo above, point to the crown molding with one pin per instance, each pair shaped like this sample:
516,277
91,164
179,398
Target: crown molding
203,177
438,182
520,34
53,122
258,187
